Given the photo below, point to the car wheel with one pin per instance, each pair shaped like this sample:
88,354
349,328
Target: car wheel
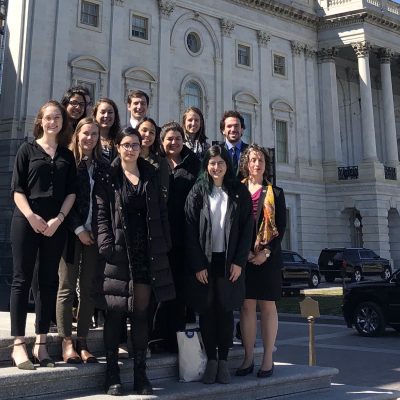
329,278
369,319
314,280
357,276
386,273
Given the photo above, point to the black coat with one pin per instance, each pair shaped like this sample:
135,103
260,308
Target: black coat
114,242
80,210
238,237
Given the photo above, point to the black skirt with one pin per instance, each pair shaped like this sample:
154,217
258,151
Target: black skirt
263,282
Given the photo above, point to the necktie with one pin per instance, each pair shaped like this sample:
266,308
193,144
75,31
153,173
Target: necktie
235,161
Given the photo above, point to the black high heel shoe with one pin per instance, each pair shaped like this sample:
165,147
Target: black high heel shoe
25,365
46,362
265,374
245,371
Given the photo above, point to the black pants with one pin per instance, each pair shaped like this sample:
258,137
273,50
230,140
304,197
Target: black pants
216,324
26,246
115,321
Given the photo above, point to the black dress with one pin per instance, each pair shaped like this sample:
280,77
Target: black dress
134,197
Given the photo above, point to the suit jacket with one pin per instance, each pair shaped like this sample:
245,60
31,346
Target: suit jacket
242,149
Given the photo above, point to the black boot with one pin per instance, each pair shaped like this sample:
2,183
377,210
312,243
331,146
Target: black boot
141,383
112,385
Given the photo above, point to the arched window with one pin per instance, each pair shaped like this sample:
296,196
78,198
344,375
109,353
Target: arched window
193,96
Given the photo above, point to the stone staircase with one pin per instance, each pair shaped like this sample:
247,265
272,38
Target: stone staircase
296,382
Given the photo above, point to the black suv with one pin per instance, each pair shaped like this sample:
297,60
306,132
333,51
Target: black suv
370,306
352,262
297,270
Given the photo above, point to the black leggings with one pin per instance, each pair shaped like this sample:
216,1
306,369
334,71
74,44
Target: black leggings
216,324
139,321
27,245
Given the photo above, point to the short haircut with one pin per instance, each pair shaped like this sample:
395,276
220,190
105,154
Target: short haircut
137,93
171,126
231,114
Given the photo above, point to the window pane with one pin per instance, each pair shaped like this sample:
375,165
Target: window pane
140,27
279,65
89,13
281,142
193,96
243,55
247,132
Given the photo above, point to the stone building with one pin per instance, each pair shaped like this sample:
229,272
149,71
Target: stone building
316,80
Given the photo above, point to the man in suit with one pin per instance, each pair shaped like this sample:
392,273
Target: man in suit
138,104
232,127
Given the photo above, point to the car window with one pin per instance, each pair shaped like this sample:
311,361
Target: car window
297,258
287,257
365,254
338,256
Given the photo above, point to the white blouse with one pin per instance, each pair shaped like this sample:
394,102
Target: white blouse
218,206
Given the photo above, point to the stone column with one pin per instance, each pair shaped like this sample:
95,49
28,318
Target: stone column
367,112
330,126
266,135
392,158
228,51
164,53
300,91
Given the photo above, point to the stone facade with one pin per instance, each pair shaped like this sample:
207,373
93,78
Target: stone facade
328,75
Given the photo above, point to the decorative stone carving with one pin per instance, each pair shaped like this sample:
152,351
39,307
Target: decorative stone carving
309,51
385,55
327,55
361,49
167,7
263,38
297,47
118,3
227,27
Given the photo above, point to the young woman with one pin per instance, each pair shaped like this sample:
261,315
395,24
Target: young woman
148,130
263,271
218,240
133,237
195,136
183,167
81,258
74,102
106,114
43,188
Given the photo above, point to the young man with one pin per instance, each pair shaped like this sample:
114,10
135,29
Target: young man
232,127
138,104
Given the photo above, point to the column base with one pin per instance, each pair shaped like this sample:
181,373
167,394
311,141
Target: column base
371,171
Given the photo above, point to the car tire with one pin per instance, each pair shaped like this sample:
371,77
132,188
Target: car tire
386,273
357,275
369,320
329,278
314,280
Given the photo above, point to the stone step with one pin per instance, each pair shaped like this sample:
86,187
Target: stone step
86,382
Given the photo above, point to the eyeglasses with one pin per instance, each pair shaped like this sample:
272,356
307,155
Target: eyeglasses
130,146
75,103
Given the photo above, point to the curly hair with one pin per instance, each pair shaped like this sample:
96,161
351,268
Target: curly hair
245,159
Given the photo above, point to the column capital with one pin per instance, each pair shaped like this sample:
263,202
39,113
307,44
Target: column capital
309,52
263,38
327,54
361,49
166,7
227,27
297,47
385,55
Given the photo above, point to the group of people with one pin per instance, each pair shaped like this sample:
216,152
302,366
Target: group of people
146,223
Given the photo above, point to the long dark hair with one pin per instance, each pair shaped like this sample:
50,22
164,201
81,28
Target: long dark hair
230,180
116,126
128,131
155,147
201,133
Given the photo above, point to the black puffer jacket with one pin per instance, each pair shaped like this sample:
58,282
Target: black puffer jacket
114,243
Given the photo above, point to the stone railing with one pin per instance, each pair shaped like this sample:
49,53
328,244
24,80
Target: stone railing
390,173
387,7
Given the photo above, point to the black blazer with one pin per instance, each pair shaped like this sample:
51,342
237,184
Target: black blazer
238,237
